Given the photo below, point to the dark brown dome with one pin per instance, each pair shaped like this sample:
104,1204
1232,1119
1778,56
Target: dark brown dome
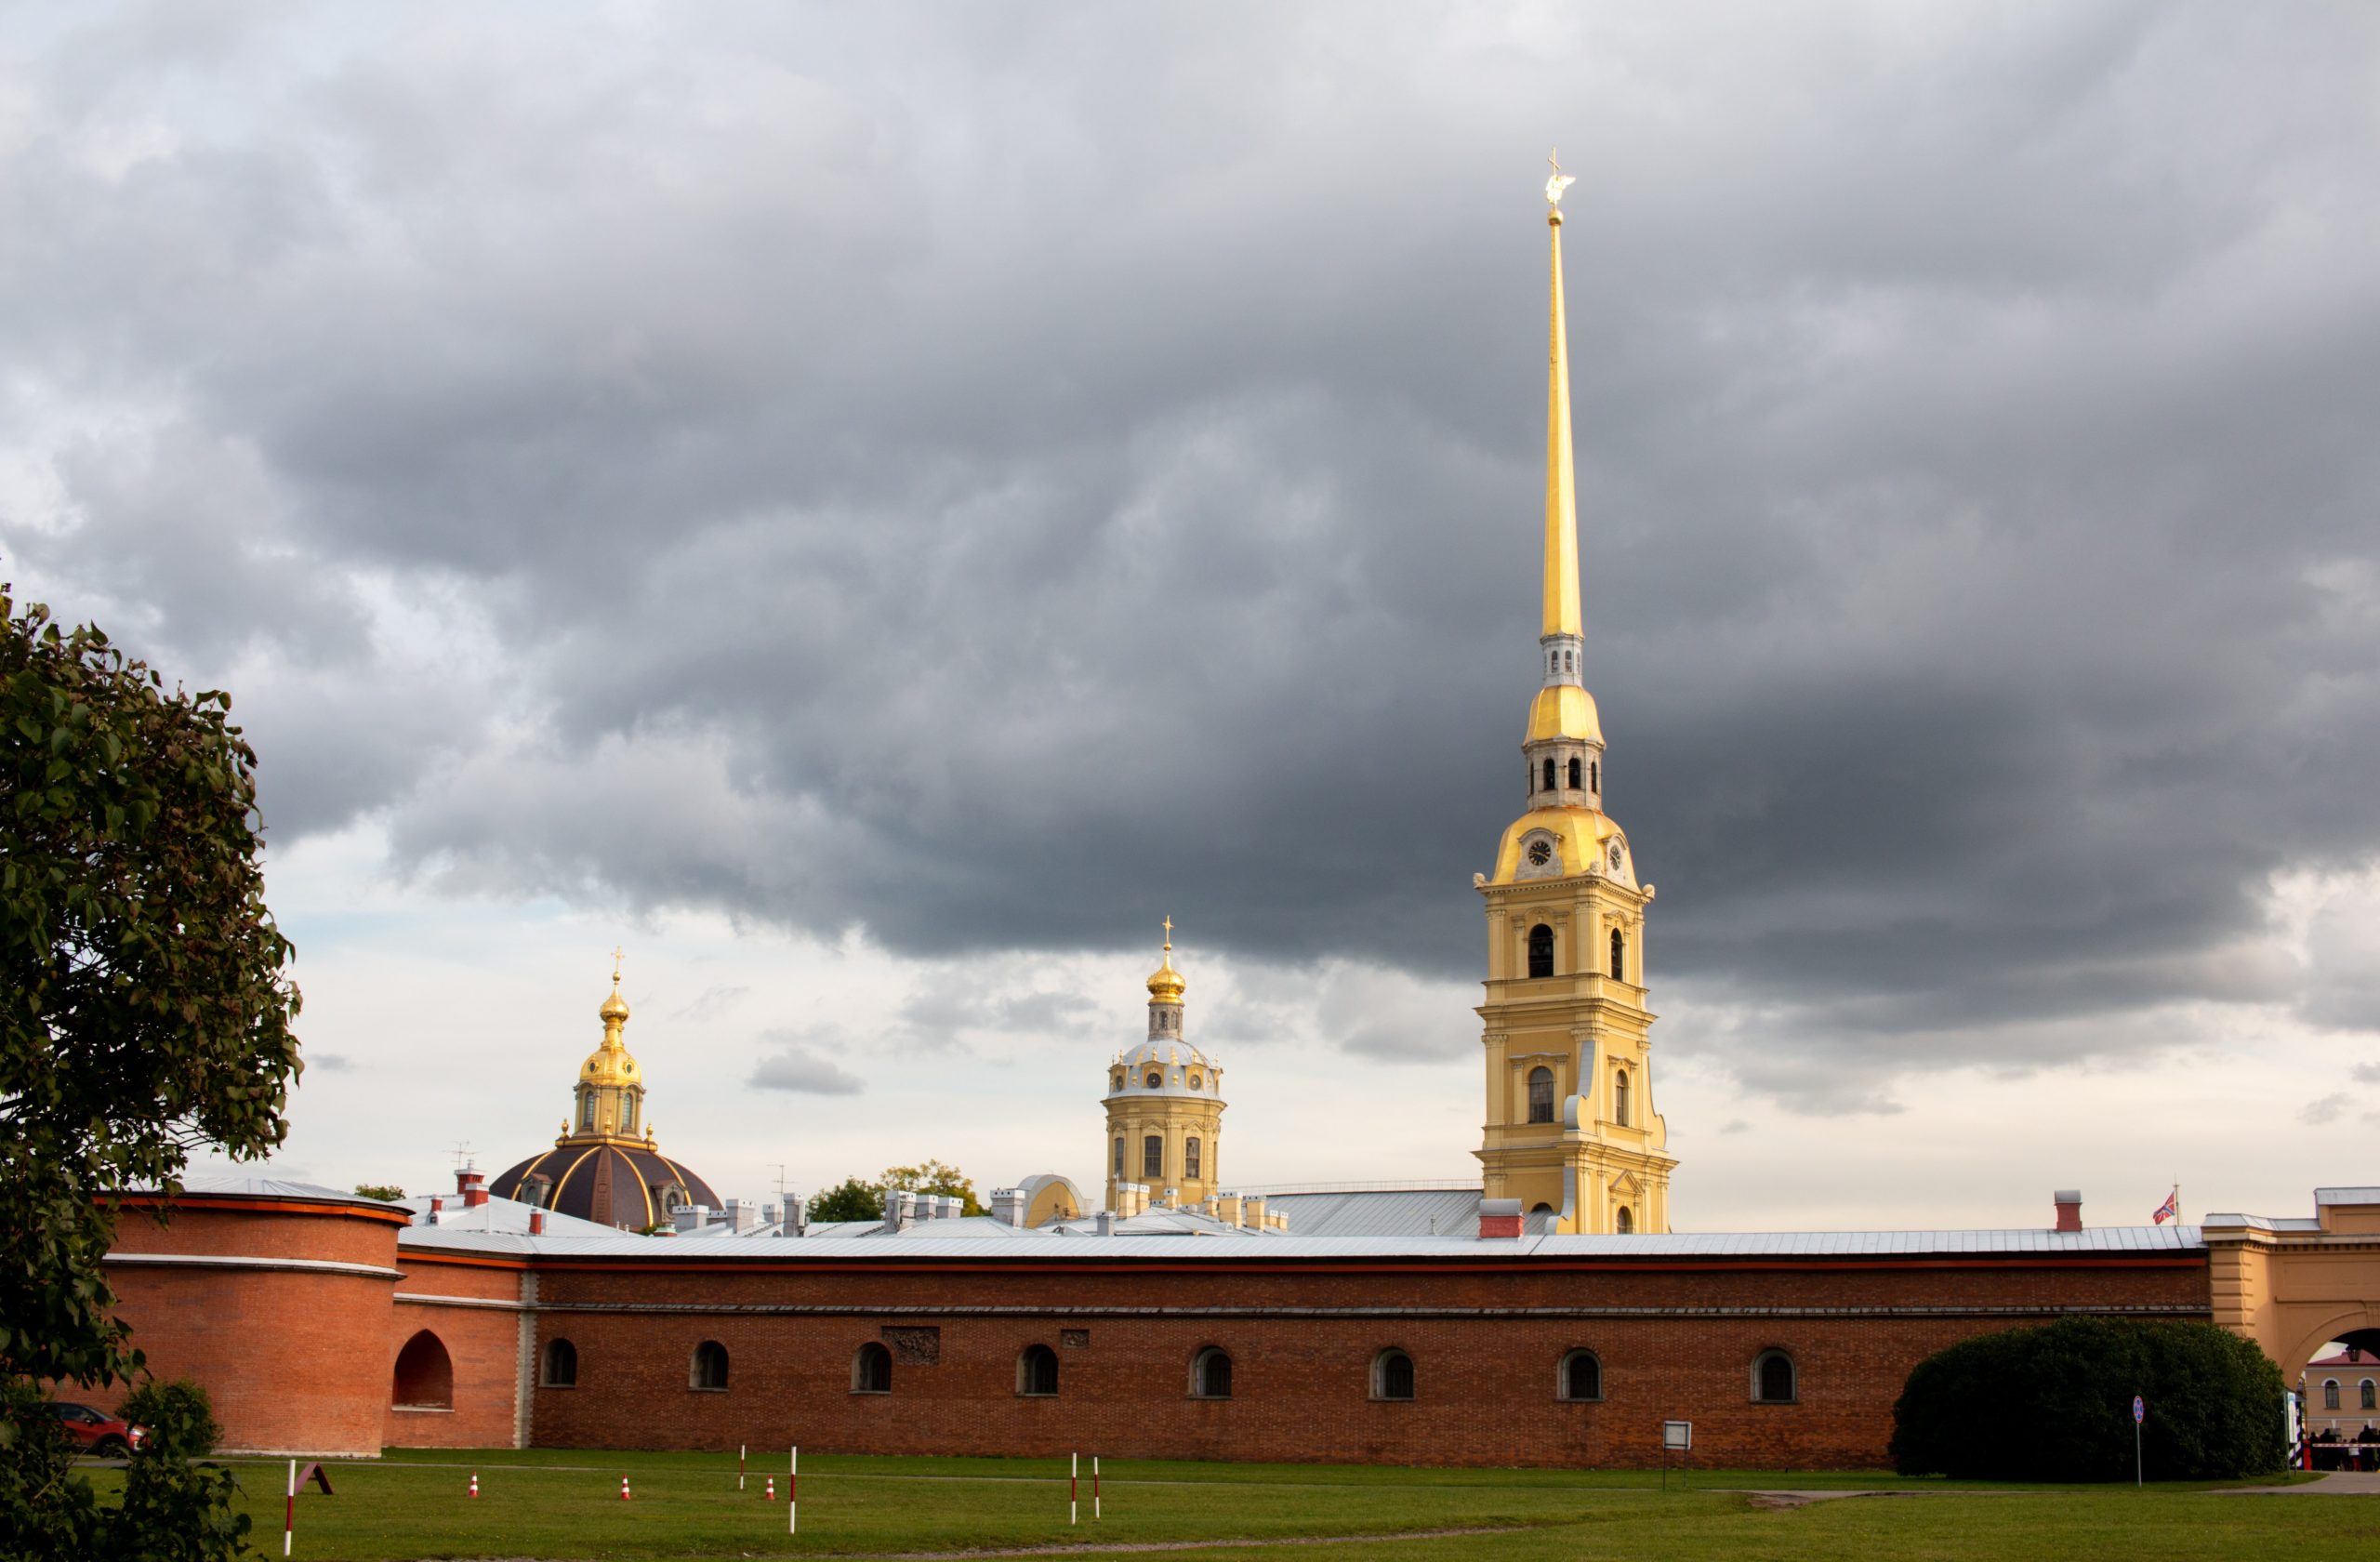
625,1185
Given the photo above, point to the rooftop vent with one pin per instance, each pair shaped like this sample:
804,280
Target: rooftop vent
2069,1209
1498,1217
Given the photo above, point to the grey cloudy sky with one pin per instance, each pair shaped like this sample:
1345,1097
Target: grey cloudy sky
961,482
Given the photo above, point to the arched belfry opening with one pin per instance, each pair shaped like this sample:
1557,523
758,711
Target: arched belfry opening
1541,951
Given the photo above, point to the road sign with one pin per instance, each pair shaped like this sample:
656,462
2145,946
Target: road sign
2139,1411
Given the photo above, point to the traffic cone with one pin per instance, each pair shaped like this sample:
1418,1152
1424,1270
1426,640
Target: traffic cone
771,1493
624,1489
475,1483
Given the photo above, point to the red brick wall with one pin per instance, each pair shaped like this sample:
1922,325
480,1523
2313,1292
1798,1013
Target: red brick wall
278,1350
1485,1384
481,1343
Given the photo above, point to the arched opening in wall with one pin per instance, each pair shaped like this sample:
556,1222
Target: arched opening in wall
1594,776
1577,766
1618,956
1190,1160
1772,1378
1120,1155
1532,779
425,1375
1211,1374
1036,1371
1152,1158
1623,1221
1580,1378
561,1365
1541,951
1549,774
1391,1375
871,1369
1620,1103
1540,1096
1543,1209
708,1369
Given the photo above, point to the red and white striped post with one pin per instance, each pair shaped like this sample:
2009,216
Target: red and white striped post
289,1514
739,1467
1094,1485
1074,1476
792,1494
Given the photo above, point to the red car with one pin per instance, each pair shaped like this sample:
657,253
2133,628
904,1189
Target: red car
93,1433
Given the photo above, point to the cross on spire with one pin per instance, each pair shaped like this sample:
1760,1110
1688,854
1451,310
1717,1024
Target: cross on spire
1169,932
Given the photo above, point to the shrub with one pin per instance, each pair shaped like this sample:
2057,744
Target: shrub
177,1415
2054,1404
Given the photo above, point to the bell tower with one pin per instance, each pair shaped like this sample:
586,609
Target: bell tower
1165,1109
1570,1130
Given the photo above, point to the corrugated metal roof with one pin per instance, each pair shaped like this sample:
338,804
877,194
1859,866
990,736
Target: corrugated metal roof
2348,1195
240,1185
1379,1212
502,1214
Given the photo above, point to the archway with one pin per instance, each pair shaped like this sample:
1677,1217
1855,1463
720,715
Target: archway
2338,1384
425,1375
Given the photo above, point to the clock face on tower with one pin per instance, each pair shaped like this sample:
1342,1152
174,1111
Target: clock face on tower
1540,852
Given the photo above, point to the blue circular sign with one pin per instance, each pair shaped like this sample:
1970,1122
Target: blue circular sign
2139,1411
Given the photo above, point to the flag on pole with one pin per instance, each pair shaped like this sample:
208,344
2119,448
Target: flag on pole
2170,1210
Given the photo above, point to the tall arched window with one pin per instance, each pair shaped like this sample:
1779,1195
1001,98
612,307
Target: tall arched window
1036,1371
1620,1098
1772,1378
1580,1378
1618,956
1211,1375
2330,1390
1391,1375
871,1369
1575,767
1540,950
1549,772
1190,1160
1623,1221
1120,1155
708,1369
2370,1401
1532,785
1540,1096
1152,1158
1594,776
561,1364
425,1375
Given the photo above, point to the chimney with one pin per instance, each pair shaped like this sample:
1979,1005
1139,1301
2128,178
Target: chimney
1173,1198
952,1207
1251,1211
1498,1217
689,1217
472,1185
1104,1224
1227,1208
2069,1209
536,1223
1008,1206
741,1216
900,1209
437,1207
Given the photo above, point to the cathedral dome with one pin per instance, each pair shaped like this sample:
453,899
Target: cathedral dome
605,1166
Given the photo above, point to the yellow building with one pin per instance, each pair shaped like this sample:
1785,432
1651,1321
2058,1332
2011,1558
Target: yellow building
1570,1129
1165,1109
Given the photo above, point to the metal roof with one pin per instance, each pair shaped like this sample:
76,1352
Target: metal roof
1407,1212
2346,1195
1250,1245
243,1186
502,1215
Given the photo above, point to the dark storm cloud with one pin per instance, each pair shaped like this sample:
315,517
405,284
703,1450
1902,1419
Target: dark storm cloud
896,469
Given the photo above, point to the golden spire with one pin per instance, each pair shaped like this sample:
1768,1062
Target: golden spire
1165,984
1561,502
610,1063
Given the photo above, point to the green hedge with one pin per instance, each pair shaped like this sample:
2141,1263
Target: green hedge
2054,1404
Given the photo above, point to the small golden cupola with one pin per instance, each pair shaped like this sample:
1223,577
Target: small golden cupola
1166,986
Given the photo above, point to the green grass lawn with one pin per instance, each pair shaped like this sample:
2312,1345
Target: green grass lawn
566,1505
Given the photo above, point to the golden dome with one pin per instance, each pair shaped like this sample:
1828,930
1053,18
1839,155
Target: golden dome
1165,982
614,1007
610,1063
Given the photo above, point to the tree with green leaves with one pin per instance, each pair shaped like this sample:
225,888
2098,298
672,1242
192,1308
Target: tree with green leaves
147,1008
932,1176
850,1200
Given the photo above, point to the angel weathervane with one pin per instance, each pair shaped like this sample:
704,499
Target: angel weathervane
1559,182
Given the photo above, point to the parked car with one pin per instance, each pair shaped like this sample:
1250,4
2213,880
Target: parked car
96,1432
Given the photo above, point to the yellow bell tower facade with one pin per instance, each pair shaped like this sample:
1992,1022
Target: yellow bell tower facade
1570,1129
1165,1109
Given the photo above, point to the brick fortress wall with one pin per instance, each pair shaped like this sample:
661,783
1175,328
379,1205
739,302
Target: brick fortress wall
281,1308
1485,1341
